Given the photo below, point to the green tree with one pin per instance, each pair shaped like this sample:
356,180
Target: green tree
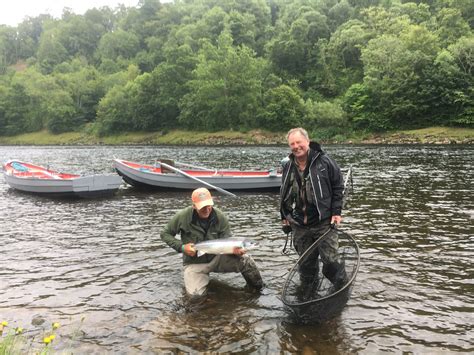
15,109
327,118
249,23
119,78
327,114
114,114
51,51
29,33
358,103
79,35
453,84
118,44
344,50
339,14
157,95
283,108
143,21
396,75
451,26
417,13
61,113
8,48
83,84
225,90
292,50
49,105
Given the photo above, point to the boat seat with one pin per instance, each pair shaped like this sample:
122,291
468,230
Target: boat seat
166,170
272,172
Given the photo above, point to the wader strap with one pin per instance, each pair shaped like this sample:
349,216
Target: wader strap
286,251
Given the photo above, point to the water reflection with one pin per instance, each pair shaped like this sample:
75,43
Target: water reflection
411,212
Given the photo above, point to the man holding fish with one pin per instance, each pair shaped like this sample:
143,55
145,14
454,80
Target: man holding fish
206,245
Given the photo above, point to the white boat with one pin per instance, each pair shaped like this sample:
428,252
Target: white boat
163,175
31,178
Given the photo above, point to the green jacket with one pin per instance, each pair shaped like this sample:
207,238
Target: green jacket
185,223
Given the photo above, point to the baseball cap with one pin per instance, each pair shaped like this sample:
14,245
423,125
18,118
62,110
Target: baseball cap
202,197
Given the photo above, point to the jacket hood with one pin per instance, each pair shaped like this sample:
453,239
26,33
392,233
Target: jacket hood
316,147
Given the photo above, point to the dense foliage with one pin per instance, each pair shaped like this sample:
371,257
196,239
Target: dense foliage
329,65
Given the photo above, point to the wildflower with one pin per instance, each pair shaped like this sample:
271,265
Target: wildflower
49,339
3,325
56,325
18,330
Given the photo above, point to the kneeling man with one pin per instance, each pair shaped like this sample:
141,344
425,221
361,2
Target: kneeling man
199,222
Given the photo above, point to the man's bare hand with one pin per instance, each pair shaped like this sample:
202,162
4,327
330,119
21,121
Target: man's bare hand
239,251
336,220
189,249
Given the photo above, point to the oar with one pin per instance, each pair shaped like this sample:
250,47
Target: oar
196,179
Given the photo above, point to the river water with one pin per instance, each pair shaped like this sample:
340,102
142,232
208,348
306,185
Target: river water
100,269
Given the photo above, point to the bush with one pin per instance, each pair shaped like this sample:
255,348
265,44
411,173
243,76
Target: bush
326,114
283,109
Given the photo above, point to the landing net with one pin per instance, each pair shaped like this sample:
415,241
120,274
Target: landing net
319,300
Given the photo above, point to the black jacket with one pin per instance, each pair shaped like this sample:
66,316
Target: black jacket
326,181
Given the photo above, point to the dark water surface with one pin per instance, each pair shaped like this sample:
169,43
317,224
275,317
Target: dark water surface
411,212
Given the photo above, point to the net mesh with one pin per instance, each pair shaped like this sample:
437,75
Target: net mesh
319,300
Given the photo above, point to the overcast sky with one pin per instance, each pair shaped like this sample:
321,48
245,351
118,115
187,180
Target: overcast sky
12,12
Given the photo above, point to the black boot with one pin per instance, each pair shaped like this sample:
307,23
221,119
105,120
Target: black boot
308,288
341,279
336,273
251,274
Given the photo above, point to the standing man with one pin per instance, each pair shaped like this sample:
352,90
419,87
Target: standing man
310,201
198,223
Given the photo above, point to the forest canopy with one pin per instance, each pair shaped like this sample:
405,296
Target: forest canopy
329,65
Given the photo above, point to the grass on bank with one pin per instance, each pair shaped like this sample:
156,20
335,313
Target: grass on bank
174,137
437,132
444,135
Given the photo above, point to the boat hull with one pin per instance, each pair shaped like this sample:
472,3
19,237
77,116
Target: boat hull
79,186
88,186
142,177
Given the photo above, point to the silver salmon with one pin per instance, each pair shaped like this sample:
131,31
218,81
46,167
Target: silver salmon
224,246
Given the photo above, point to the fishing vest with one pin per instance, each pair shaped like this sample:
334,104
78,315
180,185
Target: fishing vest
302,205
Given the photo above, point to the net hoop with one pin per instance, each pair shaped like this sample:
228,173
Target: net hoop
344,289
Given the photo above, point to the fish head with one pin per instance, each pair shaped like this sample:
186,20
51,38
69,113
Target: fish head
249,244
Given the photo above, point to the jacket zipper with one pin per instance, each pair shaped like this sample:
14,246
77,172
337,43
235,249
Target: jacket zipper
320,188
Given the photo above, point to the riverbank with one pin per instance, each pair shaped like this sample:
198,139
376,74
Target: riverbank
432,135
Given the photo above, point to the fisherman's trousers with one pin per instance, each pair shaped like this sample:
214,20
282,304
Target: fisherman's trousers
333,269
196,276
